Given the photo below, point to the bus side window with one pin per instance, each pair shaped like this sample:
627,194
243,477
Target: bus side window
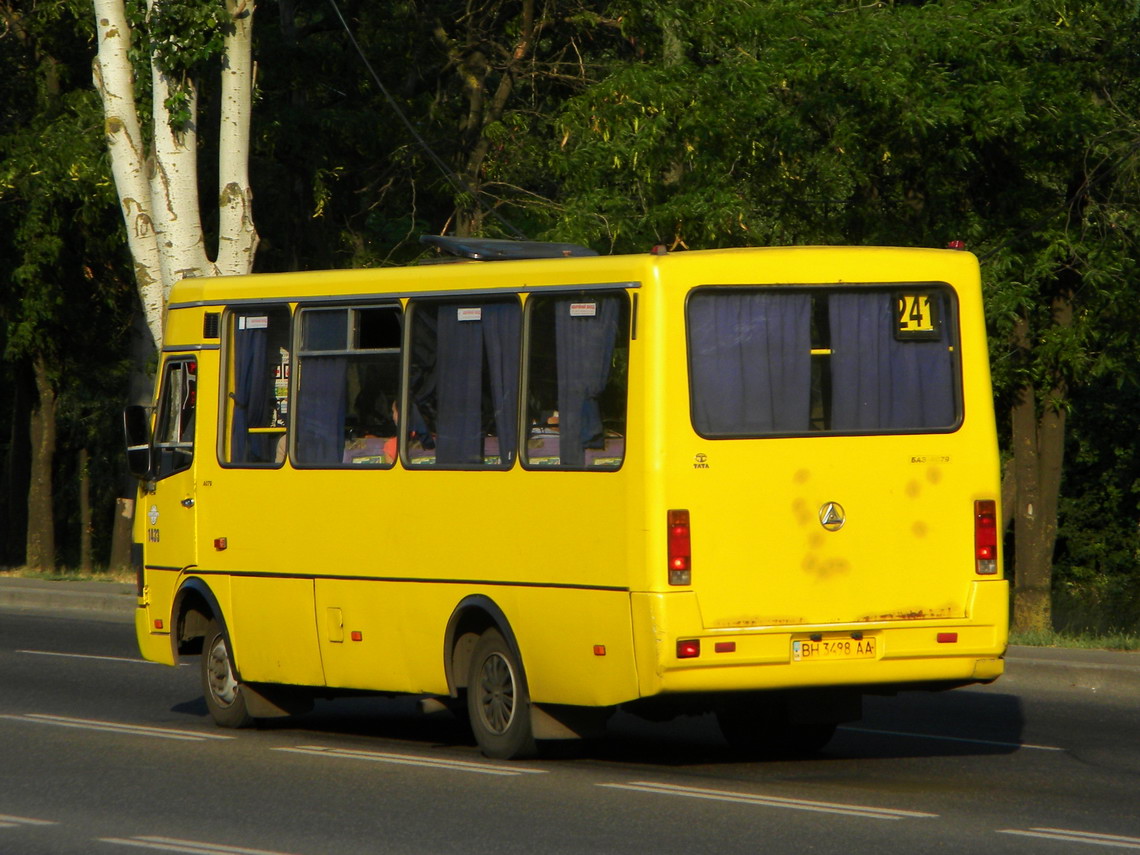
348,382
174,433
256,404
463,379
577,377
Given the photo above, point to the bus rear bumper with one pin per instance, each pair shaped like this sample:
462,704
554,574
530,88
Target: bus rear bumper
690,658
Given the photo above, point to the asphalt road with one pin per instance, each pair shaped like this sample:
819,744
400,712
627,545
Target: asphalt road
100,752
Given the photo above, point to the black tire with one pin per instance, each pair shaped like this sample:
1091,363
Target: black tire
223,693
498,703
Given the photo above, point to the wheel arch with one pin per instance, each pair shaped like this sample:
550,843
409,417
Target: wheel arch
473,616
194,605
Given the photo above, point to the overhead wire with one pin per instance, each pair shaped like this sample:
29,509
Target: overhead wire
452,177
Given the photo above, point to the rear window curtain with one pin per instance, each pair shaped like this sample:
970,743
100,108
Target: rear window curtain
751,362
879,382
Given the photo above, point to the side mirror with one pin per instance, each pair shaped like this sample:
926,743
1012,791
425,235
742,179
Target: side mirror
136,431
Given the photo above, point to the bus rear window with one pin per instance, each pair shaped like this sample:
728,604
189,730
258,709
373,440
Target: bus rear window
781,361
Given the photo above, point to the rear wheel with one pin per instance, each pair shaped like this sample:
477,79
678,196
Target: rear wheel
223,692
498,703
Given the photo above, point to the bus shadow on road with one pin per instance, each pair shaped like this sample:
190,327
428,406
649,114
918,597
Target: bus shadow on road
963,723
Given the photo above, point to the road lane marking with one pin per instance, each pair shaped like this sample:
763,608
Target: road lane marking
173,844
127,659
952,738
14,821
770,801
1068,836
113,727
412,760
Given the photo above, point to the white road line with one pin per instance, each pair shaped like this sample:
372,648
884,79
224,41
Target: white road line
173,844
132,661
13,821
1092,838
113,727
952,738
412,760
770,801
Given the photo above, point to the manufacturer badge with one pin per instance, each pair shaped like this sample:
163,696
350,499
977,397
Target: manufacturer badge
832,516
152,515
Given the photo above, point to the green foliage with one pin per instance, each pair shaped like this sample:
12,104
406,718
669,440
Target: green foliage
180,38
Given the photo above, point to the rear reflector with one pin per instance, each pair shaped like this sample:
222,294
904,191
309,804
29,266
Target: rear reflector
689,649
680,549
985,537
947,638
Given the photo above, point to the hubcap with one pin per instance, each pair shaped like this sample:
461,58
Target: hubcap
497,693
223,686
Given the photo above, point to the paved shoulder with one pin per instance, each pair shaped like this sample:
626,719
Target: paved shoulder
108,599
1097,670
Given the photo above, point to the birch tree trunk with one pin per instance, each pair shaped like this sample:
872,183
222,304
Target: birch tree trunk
157,182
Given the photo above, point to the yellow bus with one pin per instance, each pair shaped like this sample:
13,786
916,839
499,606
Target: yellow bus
538,484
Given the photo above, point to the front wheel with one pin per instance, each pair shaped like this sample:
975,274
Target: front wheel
224,696
498,703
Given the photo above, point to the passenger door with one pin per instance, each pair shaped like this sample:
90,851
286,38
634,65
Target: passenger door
170,515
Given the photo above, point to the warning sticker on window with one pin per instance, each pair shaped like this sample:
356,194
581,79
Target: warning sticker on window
472,314
256,322
583,310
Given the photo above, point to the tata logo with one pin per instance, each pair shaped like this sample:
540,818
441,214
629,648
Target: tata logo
701,461
832,516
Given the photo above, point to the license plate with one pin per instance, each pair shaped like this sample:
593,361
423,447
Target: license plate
833,648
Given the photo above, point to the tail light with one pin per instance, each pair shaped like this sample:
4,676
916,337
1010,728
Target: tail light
985,537
680,549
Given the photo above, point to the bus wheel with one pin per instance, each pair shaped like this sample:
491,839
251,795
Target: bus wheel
223,692
497,700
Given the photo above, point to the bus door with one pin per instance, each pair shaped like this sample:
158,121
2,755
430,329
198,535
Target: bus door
170,518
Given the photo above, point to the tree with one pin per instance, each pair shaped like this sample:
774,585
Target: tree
57,266
155,162
1010,126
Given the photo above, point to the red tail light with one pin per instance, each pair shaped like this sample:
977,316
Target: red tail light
680,549
985,537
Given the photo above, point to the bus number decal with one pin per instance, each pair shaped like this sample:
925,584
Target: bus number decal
915,316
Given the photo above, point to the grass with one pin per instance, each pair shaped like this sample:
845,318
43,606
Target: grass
66,575
1082,640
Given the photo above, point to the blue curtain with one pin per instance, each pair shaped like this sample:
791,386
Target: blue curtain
750,358
320,411
459,381
879,382
584,347
460,350
251,398
501,336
